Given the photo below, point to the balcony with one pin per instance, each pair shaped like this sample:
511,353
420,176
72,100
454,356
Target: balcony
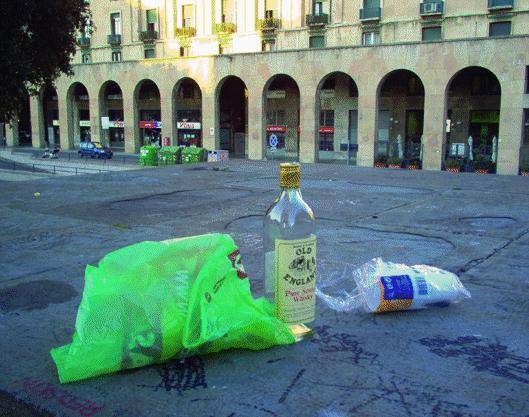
371,14
114,40
269,24
500,4
83,42
320,19
148,36
431,8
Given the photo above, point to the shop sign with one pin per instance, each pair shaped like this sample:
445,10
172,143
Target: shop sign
276,94
84,123
55,123
188,125
278,129
116,123
326,93
327,130
154,124
115,97
485,116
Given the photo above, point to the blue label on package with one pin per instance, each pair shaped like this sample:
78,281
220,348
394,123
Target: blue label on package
397,287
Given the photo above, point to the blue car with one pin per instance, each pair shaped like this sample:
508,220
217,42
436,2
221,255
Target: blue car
94,150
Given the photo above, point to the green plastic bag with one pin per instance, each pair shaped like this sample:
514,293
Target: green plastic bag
153,301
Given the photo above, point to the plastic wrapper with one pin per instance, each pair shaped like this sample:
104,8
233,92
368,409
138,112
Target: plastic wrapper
379,286
152,301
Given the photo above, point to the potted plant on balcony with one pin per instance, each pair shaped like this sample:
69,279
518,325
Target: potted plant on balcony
381,161
453,165
184,35
395,162
483,165
224,31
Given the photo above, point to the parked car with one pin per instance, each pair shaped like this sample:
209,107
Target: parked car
94,150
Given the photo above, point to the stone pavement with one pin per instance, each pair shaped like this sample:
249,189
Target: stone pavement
469,359
68,164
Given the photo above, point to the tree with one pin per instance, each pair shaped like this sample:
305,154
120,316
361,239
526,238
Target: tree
37,41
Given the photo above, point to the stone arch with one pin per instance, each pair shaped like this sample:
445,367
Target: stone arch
336,116
400,119
78,114
231,115
473,104
186,99
281,117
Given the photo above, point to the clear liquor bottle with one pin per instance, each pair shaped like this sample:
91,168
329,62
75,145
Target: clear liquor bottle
290,254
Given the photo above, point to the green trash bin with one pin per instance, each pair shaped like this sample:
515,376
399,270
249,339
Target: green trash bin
170,155
192,155
148,156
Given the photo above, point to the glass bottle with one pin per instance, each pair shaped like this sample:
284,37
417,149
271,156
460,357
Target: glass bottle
290,254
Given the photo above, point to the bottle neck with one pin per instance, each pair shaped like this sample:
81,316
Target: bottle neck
290,193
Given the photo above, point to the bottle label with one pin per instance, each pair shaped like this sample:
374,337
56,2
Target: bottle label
295,276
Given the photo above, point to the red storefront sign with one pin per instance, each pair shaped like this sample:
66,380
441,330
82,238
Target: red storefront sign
327,130
276,129
150,125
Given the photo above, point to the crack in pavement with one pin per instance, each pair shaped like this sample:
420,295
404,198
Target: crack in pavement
478,261
355,226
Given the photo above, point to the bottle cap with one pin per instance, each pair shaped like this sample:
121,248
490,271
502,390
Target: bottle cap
289,175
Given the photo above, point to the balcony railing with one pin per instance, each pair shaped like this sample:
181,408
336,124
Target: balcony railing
320,19
268,24
500,4
148,36
84,42
431,8
114,40
373,13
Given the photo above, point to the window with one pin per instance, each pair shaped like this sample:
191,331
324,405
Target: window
86,58
268,45
500,29
227,11
152,18
371,4
327,118
317,42
431,33
87,28
370,38
276,117
115,24
150,53
271,8
317,8
187,16
116,56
